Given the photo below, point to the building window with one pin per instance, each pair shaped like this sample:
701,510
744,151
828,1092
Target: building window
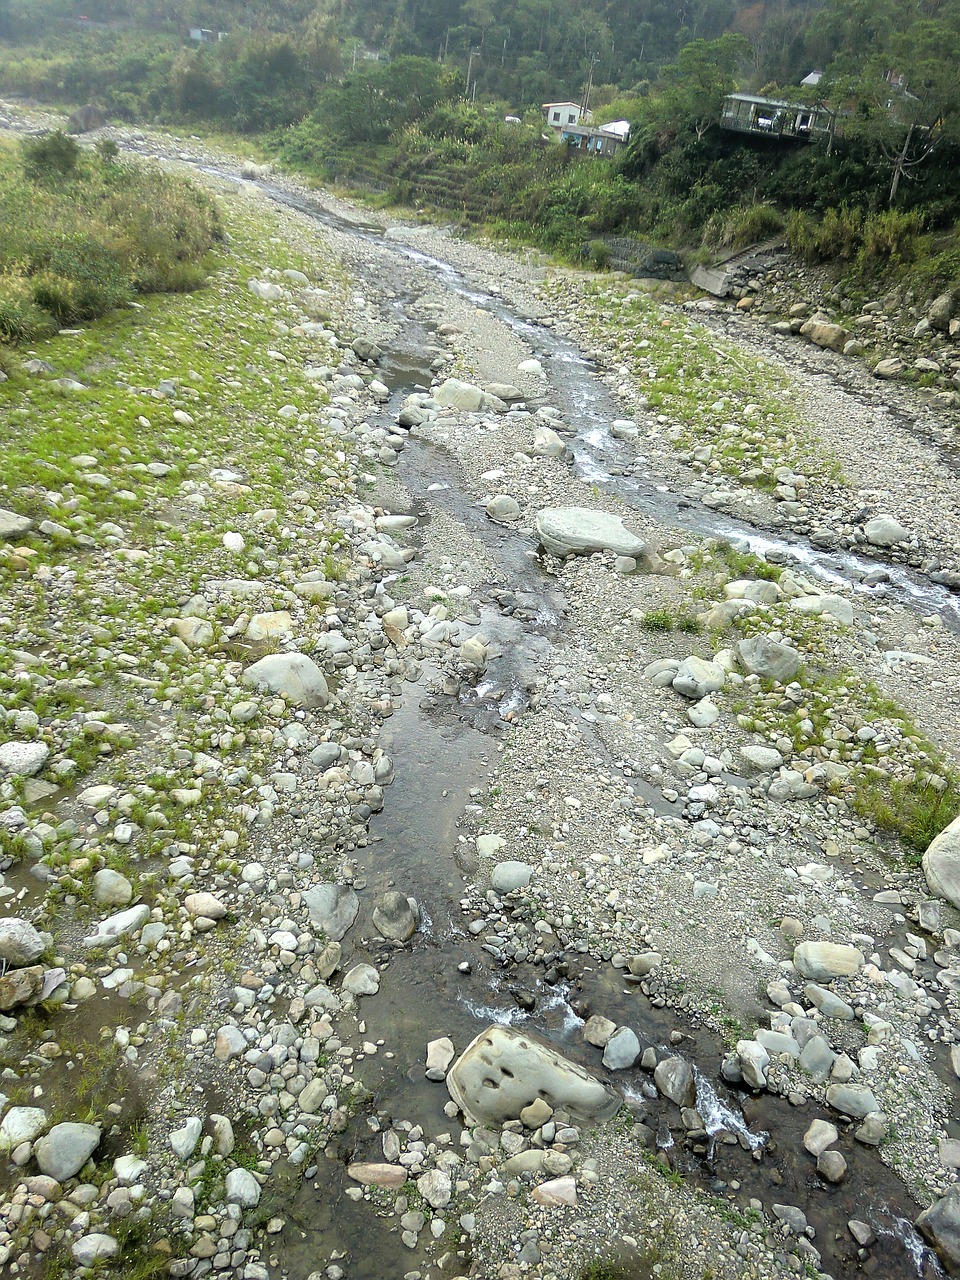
556,116
571,119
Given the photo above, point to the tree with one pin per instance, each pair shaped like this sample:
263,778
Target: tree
693,87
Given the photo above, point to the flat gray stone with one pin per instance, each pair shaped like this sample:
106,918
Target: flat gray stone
565,531
825,960
23,759
852,1100
119,925
829,1004
510,876
503,1070
13,526
333,909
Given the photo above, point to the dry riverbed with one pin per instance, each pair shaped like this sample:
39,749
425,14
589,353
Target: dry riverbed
403,896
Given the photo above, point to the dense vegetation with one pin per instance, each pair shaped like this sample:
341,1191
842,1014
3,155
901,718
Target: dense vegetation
84,233
425,121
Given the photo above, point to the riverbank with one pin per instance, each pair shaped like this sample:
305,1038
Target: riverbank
585,829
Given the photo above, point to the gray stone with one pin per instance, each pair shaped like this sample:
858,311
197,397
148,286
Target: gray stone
96,1247
362,980
111,889
697,677
874,1130
884,531
597,1030
674,1078
503,1070
20,944
825,960
440,1053
395,916
793,1217
242,1188
463,396
21,1124
66,1149
831,1166
769,659
754,1061
503,507
940,1225
852,1099
941,309
820,1135
829,1004
13,526
821,334
184,1141
119,925
567,531
817,1058
837,607
760,759
436,1188
941,863
333,909
510,876
622,1049
23,759
293,675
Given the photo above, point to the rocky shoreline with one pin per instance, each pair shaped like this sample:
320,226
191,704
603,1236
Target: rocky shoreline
349,721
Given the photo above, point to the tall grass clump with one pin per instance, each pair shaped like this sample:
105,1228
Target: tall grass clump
85,233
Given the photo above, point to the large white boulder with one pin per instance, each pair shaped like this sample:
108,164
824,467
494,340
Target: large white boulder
568,531
291,674
941,863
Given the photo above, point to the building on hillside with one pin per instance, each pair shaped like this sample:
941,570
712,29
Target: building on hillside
772,118
811,80
203,35
584,140
561,114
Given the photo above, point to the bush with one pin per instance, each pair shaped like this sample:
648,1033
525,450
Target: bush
50,158
596,255
142,231
21,320
890,236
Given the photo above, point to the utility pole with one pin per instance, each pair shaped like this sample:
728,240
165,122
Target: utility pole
588,88
474,53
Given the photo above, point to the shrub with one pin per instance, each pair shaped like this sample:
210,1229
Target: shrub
142,232
50,158
596,254
21,320
890,236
